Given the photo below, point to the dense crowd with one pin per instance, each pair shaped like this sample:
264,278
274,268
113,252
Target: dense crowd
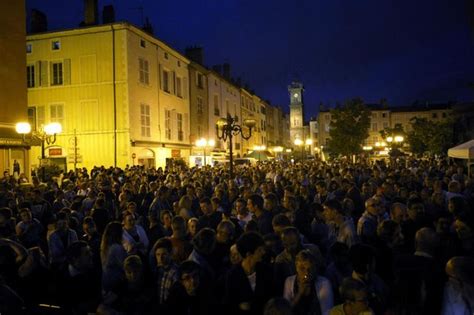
279,238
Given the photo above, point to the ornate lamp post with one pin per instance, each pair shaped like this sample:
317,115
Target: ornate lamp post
226,128
46,134
205,143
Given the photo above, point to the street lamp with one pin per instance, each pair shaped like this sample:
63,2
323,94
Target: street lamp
47,134
226,128
259,148
205,143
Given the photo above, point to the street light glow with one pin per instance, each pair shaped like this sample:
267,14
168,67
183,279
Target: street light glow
309,141
389,139
298,142
399,138
53,128
23,128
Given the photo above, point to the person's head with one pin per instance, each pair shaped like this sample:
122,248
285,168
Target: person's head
193,226
163,249
290,203
165,218
79,255
178,226
88,226
306,266
374,206
62,221
460,271
204,241
206,205
270,201
398,212
291,240
279,222
390,233
255,203
416,208
112,235
225,232
235,257
133,268
251,247
241,206
128,220
321,187
456,205
333,211
362,259
454,187
355,296
189,275
132,207
25,215
278,306
185,202
464,226
426,240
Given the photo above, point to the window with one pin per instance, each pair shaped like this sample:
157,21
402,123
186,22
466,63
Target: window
55,45
216,105
434,115
166,78
327,117
199,105
236,118
200,80
262,110
385,125
168,124
179,118
166,55
143,71
40,116
56,113
178,87
374,127
443,115
142,43
145,119
237,146
29,48
215,82
326,127
32,118
57,73
179,63
199,131
30,76
384,115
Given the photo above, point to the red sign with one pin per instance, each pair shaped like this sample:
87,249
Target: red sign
55,152
175,153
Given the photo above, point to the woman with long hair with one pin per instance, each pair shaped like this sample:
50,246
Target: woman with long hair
112,255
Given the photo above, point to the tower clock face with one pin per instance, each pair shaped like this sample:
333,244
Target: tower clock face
295,95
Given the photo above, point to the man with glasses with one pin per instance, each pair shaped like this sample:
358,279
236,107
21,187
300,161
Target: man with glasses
370,219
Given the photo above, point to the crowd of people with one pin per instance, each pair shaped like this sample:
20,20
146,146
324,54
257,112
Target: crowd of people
336,238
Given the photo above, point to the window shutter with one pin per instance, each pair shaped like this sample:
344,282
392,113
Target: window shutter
160,76
174,83
37,73
185,88
67,72
44,73
51,73
174,125
186,128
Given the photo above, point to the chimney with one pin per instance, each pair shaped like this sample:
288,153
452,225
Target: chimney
108,14
148,28
226,70
39,22
196,54
217,68
90,12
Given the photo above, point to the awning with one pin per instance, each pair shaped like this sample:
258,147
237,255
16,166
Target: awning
463,151
260,155
10,138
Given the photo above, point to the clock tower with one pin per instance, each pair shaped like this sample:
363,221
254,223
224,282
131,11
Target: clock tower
296,90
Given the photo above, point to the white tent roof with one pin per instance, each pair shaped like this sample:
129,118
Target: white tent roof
463,151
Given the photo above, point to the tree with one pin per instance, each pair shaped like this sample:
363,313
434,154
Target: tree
430,137
349,127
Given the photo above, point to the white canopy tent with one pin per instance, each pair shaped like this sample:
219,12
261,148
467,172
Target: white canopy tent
464,151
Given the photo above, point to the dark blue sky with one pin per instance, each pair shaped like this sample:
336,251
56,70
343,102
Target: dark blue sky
404,50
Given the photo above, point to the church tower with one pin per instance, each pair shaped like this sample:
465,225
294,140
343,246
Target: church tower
295,90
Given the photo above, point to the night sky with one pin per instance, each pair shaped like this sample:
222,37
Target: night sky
404,50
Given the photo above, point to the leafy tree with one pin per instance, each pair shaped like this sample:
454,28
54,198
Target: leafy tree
349,127
397,130
430,137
